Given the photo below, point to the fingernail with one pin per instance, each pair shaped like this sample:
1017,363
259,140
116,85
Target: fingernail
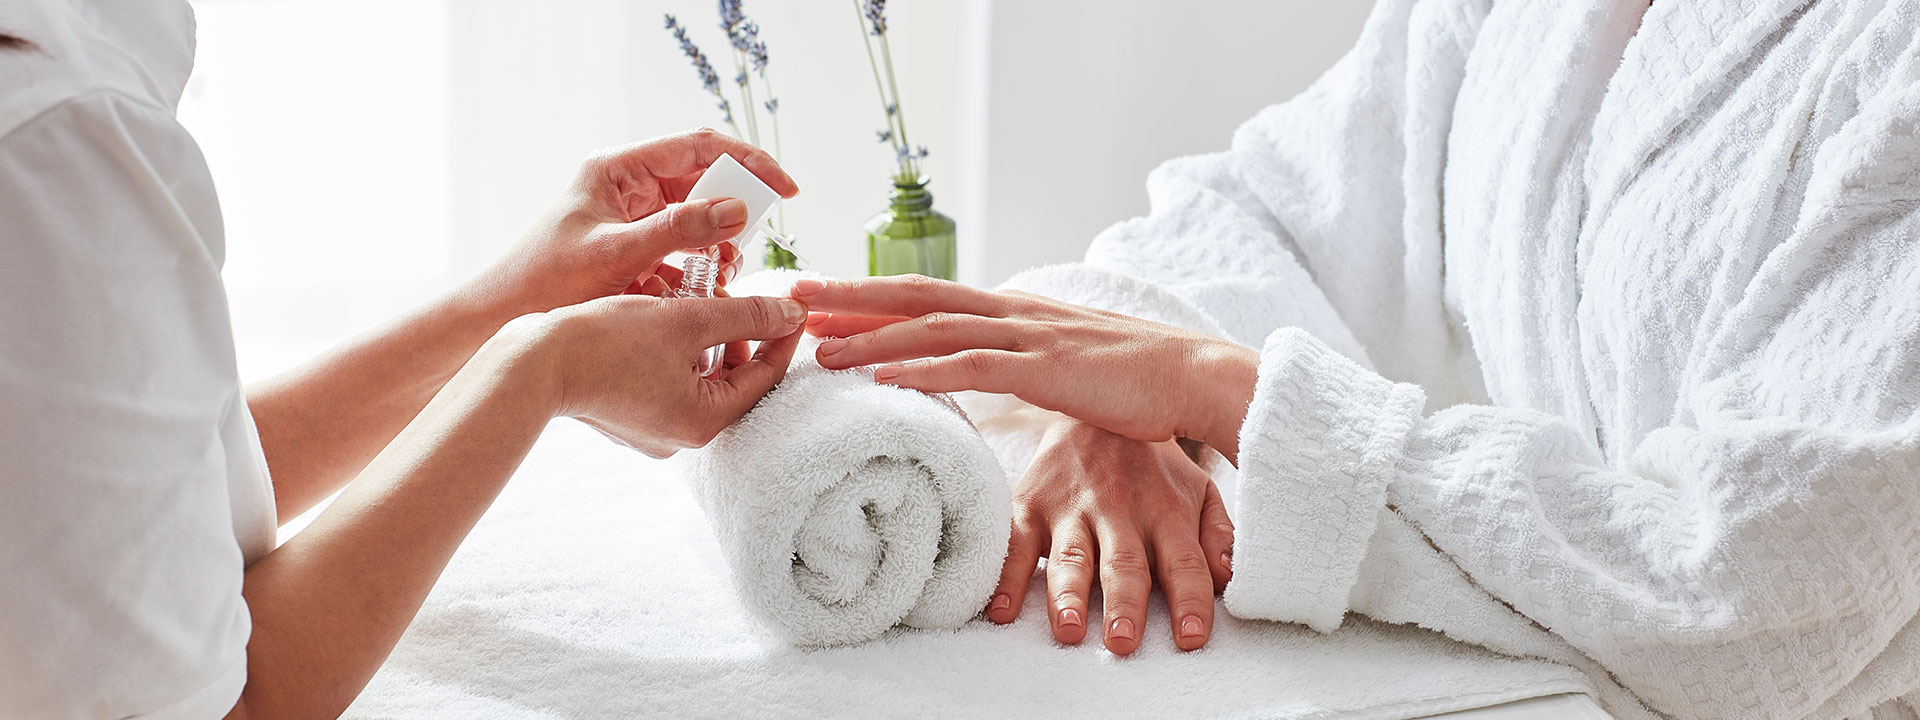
1122,629
727,213
886,374
807,287
831,346
1190,627
1226,558
1000,602
817,318
795,312
1070,618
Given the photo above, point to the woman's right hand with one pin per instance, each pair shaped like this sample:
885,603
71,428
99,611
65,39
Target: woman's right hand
626,364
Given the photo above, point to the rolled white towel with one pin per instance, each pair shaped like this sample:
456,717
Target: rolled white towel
844,508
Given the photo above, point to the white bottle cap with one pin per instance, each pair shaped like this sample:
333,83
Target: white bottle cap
727,178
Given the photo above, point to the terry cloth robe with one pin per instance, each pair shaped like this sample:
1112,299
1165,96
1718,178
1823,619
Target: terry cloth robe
1584,336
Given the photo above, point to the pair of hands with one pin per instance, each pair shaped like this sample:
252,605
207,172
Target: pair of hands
1110,493
586,285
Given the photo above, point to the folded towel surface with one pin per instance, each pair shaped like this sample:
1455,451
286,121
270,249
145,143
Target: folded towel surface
595,588
844,508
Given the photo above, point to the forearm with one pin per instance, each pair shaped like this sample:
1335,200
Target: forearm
329,606
322,422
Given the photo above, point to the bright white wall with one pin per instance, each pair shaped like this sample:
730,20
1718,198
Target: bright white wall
324,123
369,153
1086,96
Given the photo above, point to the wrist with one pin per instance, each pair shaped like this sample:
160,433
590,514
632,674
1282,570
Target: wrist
1224,374
523,357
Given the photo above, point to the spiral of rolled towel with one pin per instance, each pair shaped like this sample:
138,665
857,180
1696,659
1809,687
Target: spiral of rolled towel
844,508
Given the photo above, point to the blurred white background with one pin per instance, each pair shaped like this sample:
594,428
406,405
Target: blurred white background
370,153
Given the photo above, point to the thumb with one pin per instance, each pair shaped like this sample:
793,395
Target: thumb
724,319
683,226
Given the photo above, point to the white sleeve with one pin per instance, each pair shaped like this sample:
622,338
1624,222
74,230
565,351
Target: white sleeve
1756,558
117,544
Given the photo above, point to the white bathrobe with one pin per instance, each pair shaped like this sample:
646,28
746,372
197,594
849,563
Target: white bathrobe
1584,336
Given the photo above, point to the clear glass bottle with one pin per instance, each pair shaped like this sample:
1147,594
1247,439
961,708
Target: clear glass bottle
911,236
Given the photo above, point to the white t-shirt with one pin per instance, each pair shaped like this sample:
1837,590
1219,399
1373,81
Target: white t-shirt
133,491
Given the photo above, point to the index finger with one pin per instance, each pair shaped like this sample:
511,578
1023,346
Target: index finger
686,153
898,295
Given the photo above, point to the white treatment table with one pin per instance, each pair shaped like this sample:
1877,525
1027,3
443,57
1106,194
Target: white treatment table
593,589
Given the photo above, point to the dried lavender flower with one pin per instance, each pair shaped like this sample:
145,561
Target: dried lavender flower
885,135
709,80
876,11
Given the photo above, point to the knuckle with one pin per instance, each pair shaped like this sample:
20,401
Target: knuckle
917,282
1124,562
939,322
975,363
1221,527
766,313
1071,557
1068,598
1186,562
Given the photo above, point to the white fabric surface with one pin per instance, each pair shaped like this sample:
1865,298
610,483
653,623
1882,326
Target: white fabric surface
594,588
845,508
132,487
1662,289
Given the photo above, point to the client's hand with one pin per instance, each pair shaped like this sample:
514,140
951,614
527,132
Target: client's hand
622,215
1142,511
626,364
1144,380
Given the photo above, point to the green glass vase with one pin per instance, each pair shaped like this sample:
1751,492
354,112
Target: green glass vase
911,236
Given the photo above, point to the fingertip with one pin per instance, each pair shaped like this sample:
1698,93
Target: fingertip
1002,609
805,287
727,213
1123,636
1191,632
1070,626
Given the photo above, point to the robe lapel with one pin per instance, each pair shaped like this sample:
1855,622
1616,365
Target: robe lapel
1681,52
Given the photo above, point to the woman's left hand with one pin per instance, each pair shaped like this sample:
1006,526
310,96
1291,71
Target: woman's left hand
623,214
1140,379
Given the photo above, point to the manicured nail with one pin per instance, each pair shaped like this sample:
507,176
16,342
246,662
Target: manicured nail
1070,618
807,287
1122,629
727,213
1190,627
1000,603
817,318
886,374
831,346
1226,559
795,312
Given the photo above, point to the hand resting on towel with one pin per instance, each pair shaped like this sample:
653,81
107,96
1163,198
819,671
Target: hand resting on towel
1109,490
1095,502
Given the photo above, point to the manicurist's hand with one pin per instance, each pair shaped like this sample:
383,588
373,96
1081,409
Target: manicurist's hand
1140,379
623,214
1098,505
626,364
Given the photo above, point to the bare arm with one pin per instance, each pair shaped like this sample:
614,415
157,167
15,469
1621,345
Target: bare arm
329,605
321,423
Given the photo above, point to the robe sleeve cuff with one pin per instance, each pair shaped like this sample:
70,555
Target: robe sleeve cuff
1319,444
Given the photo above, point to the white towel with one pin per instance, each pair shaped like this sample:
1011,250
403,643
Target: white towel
844,508
594,589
